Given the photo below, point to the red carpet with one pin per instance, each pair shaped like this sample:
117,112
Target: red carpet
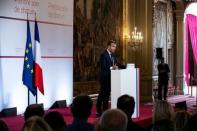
15,123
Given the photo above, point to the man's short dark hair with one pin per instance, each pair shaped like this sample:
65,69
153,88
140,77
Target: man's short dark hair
81,107
127,104
55,120
33,110
110,42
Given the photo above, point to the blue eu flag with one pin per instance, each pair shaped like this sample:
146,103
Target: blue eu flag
28,72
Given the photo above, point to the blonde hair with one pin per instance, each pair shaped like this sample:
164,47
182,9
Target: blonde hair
36,123
182,121
162,110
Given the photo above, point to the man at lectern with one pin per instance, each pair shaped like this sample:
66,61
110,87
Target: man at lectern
163,70
108,62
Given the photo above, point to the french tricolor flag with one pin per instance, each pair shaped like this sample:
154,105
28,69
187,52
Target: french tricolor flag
38,77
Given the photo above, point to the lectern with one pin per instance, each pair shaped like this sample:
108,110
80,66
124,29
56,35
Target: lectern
125,81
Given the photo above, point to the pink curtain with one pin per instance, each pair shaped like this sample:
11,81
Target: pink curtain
190,31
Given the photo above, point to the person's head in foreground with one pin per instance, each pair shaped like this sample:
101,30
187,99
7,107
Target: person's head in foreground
113,120
55,121
81,107
162,110
182,121
36,123
33,110
3,126
127,104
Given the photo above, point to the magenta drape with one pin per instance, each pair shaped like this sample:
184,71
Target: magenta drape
190,31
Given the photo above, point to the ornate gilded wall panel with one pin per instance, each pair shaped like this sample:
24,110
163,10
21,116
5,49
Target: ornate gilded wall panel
95,23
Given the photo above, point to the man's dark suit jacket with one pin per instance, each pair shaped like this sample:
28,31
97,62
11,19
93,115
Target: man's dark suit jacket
80,125
163,70
132,126
105,64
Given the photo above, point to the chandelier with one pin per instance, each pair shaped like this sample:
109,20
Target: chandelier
136,37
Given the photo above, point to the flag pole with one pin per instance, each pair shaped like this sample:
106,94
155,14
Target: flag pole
28,88
34,65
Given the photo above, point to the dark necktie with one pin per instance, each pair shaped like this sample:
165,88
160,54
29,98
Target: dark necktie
112,59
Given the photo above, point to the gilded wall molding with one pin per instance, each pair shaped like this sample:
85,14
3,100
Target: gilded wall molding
179,14
140,16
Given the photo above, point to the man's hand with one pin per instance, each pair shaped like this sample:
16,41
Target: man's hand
115,67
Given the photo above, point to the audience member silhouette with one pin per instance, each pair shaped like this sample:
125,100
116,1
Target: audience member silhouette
33,110
162,110
113,120
192,122
127,104
81,110
36,123
163,125
55,121
182,121
3,126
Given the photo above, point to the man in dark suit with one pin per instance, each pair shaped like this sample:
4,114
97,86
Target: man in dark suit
108,62
163,70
